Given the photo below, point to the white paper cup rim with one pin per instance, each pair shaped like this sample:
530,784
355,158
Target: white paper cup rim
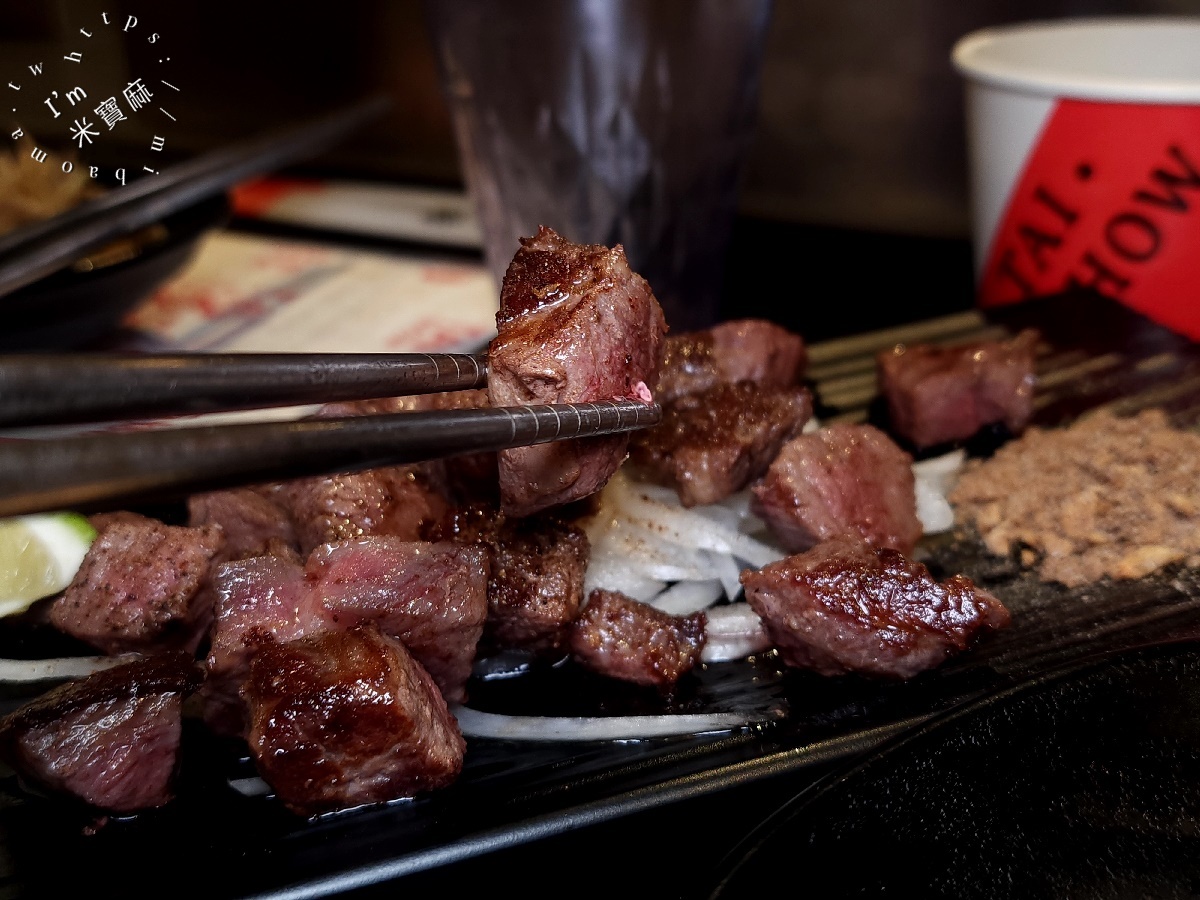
1145,59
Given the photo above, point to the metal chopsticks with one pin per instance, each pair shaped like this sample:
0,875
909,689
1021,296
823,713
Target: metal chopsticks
41,389
90,471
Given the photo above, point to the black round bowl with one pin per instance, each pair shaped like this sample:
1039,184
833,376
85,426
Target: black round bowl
72,308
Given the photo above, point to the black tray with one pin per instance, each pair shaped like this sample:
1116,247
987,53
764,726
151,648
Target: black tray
1080,784
230,845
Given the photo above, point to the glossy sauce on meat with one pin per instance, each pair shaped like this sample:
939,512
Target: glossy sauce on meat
342,719
845,606
111,739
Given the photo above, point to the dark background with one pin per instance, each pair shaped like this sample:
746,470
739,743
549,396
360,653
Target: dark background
855,187
860,122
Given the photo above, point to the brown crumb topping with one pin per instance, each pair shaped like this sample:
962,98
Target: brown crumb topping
1108,496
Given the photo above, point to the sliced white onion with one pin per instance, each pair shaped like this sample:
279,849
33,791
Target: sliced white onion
733,632
477,724
252,786
933,509
934,479
607,573
728,571
58,668
944,468
643,539
686,597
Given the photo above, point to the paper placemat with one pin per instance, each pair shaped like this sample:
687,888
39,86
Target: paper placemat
250,293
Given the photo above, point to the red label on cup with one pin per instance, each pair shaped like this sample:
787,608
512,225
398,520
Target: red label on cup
1110,199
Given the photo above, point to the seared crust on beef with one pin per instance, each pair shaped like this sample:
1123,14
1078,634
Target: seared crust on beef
342,719
843,479
713,443
537,564
397,501
844,606
111,739
940,394
739,350
536,588
139,588
617,636
575,324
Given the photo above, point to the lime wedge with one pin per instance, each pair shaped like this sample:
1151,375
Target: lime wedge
39,555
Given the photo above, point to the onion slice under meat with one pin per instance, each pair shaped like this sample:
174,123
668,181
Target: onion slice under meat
58,668
477,724
733,631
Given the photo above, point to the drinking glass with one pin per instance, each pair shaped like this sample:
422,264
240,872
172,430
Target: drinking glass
610,121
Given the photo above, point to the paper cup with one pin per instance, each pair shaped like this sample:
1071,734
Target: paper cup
1084,140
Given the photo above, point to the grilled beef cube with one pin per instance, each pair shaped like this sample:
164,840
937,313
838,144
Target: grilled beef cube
472,477
845,606
111,739
575,324
535,589
343,719
139,588
631,641
844,479
257,601
713,443
251,521
396,501
740,350
431,596
940,394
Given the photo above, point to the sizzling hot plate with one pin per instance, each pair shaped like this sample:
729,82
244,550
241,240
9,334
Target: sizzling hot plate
231,845
1081,784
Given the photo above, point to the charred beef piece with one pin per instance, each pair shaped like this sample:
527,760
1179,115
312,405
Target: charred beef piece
575,324
397,501
845,606
940,394
111,739
622,638
251,522
431,596
713,443
343,719
739,350
535,589
844,479
469,478
139,588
